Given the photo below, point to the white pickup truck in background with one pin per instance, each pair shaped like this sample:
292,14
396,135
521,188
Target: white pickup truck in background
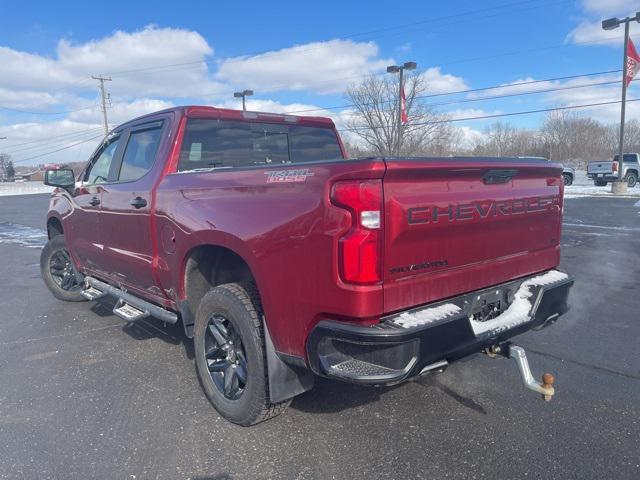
604,172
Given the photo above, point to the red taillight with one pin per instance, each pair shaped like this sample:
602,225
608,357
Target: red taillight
614,167
360,249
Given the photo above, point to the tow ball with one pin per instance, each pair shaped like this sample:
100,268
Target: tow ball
508,350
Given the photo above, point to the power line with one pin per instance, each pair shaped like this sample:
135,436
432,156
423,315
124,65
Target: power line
517,94
51,143
497,115
470,90
45,139
46,113
356,129
287,50
58,150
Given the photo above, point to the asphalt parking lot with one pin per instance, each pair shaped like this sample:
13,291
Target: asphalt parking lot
82,395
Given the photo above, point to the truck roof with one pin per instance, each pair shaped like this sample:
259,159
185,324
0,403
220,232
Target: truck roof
203,111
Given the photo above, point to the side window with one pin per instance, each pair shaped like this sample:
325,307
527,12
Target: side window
140,153
211,143
98,172
214,144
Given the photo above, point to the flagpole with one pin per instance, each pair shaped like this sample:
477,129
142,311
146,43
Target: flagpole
400,69
624,101
620,186
399,115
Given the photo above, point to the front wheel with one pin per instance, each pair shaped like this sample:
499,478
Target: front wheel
567,179
632,179
58,272
230,354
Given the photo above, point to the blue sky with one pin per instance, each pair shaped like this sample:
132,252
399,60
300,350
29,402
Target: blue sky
295,55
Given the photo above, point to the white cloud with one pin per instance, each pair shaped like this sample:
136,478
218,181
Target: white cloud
27,140
610,7
120,112
470,113
470,137
588,91
323,67
273,106
437,82
73,64
589,31
26,99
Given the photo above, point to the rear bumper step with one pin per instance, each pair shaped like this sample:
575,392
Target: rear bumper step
407,344
129,307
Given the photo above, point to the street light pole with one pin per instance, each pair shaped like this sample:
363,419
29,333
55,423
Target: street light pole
624,103
620,186
400,69
243,94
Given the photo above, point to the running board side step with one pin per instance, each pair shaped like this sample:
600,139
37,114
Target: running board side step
92,293
129,307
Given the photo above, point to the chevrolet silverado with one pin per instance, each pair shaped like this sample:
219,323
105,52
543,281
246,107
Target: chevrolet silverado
283,260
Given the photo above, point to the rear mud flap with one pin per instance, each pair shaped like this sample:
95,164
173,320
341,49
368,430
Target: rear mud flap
285,381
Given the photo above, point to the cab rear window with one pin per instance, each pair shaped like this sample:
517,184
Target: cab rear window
210,143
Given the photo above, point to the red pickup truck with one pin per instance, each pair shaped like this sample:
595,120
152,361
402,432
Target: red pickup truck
283,260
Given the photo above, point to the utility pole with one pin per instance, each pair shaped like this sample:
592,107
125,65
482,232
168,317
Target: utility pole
620,186
400,69
104,100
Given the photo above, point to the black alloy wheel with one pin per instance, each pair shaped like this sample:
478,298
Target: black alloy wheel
226,358
62,271
59,273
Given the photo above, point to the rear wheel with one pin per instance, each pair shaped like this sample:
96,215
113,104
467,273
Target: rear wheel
230,354
632,179
58,271
600,183
568,179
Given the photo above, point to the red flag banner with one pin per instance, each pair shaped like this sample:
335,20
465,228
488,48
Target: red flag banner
403,112
633,62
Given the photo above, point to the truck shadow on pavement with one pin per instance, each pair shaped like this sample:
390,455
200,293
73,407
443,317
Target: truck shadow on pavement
327,396
148,328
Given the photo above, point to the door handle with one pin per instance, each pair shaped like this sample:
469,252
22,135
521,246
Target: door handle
95,201
138,202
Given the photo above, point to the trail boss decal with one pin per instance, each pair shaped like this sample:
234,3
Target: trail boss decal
289,176
479,210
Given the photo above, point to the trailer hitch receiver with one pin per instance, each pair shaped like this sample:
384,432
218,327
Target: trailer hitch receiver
508,350
545,388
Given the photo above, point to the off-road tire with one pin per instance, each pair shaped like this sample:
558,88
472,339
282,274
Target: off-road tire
240,305
56,245
567,179
632,179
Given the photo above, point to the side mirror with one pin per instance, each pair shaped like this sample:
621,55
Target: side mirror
62,178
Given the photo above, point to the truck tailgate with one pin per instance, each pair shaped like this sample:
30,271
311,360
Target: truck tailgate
600,167
456,225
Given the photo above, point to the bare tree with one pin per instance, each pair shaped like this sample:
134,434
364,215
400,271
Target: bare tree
7,171
374,118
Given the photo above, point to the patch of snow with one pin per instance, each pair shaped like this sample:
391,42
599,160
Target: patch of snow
23,188
22,235
601,227
518,311
583,187
426,316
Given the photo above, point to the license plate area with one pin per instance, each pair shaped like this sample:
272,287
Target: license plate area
488,305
